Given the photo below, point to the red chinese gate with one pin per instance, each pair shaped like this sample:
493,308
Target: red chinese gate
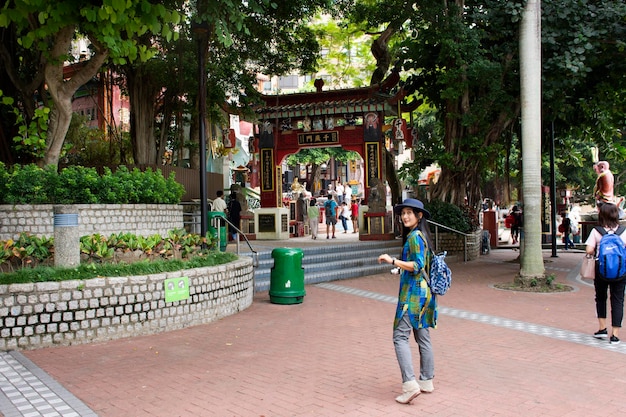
351,118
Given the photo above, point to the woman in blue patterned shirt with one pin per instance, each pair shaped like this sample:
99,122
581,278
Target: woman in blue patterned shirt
417,306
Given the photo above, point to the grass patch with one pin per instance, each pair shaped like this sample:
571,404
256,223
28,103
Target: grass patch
553,288
94,270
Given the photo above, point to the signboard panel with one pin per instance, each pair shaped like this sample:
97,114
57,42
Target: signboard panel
176,289
267,223
318,138
372,162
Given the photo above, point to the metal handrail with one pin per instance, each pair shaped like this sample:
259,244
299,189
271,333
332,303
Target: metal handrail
465,236
255,255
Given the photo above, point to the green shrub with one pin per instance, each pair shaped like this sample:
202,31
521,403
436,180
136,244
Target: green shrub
449,215
31,184
77,185
27,185
92,270
4,179
28,258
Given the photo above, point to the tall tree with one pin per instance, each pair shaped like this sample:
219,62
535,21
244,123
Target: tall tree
268,37
462,57
111,27
530,73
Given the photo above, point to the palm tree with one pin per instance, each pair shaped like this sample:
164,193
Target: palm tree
531,262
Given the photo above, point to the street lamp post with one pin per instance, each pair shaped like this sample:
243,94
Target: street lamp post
552,194
202,31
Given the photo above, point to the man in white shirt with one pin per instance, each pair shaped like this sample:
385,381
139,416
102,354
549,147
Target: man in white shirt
219,204
347,194
339,189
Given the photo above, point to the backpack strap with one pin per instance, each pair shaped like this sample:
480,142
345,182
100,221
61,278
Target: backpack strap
620,229
428,255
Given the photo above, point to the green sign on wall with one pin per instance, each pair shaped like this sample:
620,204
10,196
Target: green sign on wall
176,289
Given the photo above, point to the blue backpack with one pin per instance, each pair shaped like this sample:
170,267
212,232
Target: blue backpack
440,276
611,254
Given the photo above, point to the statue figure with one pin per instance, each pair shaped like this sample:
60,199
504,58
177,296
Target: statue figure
241,198
330,123
377,197
296,187
318,124
306,124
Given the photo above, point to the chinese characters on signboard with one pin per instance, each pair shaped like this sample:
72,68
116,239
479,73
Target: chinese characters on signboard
372,162
267,170
317,138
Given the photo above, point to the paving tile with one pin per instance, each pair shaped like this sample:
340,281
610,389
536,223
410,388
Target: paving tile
497,353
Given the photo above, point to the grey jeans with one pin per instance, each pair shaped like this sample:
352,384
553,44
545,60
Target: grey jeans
403,350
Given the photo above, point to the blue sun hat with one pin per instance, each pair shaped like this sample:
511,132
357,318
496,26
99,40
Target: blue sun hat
411,203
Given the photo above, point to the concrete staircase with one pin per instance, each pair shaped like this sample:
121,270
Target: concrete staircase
330,262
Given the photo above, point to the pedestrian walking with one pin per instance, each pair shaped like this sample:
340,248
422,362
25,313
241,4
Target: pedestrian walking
354,211
313,214
234,216
218,203
518,223
344,216
416,309
340,191
330,212
608,219
566,229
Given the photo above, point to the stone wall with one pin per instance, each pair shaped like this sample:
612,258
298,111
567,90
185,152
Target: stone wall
106,219
454,244
63,313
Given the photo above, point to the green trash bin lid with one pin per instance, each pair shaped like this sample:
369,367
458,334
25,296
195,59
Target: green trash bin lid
278,252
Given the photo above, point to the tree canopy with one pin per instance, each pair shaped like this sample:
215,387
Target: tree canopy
266,36
49,27
462,57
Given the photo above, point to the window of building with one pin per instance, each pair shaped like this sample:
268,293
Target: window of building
288,81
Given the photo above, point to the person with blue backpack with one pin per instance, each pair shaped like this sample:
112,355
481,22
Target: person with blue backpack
417,305
607,242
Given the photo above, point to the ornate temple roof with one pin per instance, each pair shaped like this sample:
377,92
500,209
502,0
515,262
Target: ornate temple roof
329,107
375,98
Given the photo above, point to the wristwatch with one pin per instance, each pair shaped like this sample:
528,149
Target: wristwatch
393,261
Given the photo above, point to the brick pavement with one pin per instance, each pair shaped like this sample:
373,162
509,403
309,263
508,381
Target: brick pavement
498,353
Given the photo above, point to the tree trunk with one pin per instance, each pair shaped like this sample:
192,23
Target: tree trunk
142,95
166,111
531,265
314,180
392,178
62,90
193,143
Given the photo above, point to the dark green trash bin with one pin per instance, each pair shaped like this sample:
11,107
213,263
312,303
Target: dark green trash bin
287,276
215,220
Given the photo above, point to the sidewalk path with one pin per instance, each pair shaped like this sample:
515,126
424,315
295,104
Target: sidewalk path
498,353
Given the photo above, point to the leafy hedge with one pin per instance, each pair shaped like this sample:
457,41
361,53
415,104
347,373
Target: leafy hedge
30,184
450,215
